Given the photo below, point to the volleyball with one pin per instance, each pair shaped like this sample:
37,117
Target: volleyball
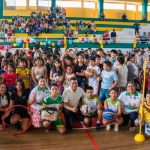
86,110
108,115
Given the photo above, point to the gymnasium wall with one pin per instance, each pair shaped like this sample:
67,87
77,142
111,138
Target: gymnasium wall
82,12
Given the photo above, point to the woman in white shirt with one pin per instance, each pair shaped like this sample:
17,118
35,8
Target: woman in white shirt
131,101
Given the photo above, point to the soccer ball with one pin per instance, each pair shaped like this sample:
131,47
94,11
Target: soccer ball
86,110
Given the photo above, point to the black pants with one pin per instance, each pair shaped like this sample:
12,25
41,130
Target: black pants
70,117
130,117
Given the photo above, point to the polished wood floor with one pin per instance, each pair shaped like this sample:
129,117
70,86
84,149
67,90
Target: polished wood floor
38,139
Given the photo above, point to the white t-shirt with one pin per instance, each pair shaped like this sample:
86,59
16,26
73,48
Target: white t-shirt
39,94
122,73
73,98
130,103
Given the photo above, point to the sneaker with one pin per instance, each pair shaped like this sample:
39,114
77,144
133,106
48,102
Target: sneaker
108,127
132,129
97,126
116,127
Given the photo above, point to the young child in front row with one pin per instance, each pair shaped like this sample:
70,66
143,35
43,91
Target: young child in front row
146,114
54,100
116,106
96,107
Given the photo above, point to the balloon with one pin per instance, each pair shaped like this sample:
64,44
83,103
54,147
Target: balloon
41,43
62,42
53,44
78,40
44,43
58,43
70,41
95,40
117,40
28,40
49,42
82,39
14,45
36,42
22,41
2,47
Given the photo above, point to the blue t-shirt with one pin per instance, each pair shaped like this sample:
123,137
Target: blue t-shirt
108,77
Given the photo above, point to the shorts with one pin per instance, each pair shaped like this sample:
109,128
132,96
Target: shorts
21,112
58,123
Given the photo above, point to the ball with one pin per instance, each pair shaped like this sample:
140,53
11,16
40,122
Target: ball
108,115
86,110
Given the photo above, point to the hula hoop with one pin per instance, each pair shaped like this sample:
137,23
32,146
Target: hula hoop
5,114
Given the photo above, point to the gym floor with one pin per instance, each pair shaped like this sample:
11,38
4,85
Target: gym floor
38,139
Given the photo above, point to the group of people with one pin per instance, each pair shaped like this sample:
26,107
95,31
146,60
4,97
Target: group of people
36,23
64,82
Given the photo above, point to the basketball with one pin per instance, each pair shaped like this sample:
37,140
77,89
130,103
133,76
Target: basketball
86,110
108,115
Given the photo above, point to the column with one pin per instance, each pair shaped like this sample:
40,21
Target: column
1,8
101,7
144,10
53,6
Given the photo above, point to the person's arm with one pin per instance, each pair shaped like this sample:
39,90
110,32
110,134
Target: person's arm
105,105
51,75
73,109
45,73
115,80
118,114
32,97
33,75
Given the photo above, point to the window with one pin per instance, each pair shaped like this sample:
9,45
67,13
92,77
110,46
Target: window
69,4
43,3
21,3
148,8
140,8
114,6
32,3
10,2
89,5
131,7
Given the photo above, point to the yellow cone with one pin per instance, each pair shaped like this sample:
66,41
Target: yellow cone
139,138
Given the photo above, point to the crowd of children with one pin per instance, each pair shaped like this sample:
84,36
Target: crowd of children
80,84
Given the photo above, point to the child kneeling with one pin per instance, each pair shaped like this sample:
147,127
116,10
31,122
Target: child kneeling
95,108
115,105
145,109
52,105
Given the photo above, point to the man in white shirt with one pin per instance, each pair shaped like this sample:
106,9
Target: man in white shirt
72,96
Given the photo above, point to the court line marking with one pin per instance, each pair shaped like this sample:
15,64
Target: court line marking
95,145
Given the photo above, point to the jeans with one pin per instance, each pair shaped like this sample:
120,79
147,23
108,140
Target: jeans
70,117
130,117
104,94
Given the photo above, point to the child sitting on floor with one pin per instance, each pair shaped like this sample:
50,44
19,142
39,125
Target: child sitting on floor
54,101
95,107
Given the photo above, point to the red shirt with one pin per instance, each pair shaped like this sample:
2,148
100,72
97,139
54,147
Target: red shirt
10,78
